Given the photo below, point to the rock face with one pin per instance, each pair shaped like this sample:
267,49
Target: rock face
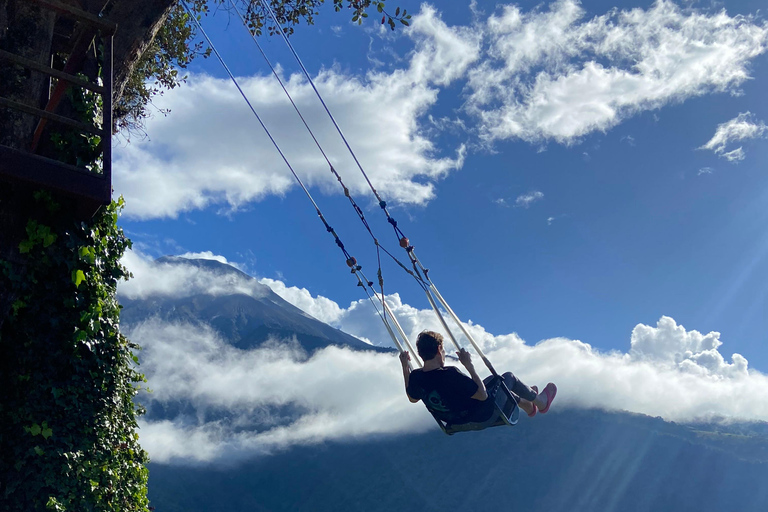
243,320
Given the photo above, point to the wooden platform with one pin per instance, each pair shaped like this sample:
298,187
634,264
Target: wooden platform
24,165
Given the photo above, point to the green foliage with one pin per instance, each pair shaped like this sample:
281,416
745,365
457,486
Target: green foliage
67,416
75,148
162,66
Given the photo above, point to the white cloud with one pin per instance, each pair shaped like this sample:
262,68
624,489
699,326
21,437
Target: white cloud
690,351
178,280
336,393
207,255
319,307
211,150
444,53
545,74
736,155
553,75
628,139
525,200
741,127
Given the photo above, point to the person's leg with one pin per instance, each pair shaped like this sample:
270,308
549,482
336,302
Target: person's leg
519,388
522,393
540,400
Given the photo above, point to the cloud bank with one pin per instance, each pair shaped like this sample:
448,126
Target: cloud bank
547,74
555,75
250,403
211,149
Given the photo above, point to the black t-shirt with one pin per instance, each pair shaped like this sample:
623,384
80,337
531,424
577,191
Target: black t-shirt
447,393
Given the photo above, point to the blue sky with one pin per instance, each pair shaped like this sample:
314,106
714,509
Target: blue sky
630,222
592,173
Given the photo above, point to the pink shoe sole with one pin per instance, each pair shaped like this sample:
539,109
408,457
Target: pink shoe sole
550,391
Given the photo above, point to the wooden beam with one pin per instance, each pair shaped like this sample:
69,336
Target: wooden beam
105,26
83,127
80,183
27,63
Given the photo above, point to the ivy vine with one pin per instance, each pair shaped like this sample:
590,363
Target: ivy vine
68,418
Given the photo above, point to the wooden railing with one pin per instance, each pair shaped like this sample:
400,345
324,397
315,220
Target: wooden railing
23,164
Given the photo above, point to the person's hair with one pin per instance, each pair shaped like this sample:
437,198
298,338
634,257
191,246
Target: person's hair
428,343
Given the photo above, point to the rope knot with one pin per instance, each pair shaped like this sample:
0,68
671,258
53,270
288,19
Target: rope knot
351,262
383,204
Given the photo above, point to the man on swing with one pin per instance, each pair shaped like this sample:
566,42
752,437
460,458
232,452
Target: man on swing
455,398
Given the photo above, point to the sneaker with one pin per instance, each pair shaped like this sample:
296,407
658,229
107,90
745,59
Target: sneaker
550,390
533,405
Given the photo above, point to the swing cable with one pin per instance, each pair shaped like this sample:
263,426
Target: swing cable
420,273
347,194
356,269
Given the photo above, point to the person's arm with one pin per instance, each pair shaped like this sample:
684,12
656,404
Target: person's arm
466,359
404,358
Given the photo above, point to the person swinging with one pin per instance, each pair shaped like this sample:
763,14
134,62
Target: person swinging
456,399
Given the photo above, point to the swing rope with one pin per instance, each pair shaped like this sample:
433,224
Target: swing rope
357,269
420,273
350,260
347,193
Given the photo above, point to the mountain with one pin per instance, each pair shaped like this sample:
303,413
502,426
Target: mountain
569,461
243,320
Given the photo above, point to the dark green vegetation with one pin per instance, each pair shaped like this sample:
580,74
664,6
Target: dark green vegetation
67,417
567,461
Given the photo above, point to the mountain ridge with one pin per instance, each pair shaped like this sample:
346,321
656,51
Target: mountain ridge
243,320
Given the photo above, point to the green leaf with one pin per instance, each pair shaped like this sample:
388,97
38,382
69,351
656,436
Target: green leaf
39,450
35,429
397,12
404,22
17,306
25,246
78,277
